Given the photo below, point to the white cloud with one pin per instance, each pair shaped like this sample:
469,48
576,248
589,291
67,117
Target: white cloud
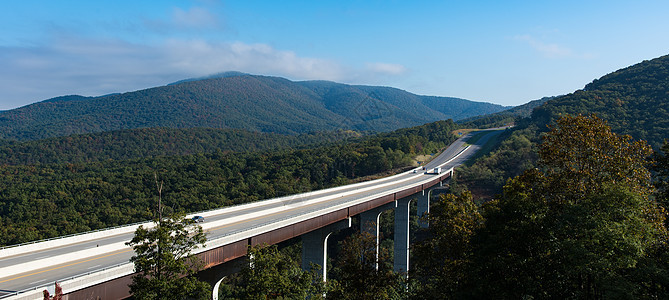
195,17
191,20
547,50
386,68
201,57
97,67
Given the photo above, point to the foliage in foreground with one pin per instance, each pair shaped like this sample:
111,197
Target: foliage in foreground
578,227
443,258
163,260
272,274
582,226
276,274
356,275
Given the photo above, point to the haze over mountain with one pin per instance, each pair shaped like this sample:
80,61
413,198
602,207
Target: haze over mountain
238,101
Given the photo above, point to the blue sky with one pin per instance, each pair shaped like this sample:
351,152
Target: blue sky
505,52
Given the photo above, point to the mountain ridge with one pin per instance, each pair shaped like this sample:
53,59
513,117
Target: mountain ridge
633,100
238,101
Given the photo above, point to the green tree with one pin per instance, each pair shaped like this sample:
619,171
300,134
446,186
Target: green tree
272,274
656,264
442,258
661,168
581,154
163,261
578,227
356,275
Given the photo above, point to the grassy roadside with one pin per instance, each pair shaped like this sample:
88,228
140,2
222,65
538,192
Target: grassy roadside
497,137
476,137
462,132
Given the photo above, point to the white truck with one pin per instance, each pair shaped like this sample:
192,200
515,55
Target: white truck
437,170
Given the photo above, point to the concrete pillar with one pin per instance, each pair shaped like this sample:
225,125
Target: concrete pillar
424,207
214,293
315,245
401,263
217,273
369,222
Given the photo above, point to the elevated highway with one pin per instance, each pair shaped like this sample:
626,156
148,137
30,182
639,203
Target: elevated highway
93,260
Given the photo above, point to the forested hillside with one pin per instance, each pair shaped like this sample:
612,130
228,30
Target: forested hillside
46,200
505,117
238,101
633,100
155,142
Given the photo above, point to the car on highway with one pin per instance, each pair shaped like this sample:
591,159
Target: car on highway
198,219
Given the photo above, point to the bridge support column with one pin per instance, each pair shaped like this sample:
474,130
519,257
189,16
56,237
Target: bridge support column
369,222
215,274
401,263
315,245
424,206
214,293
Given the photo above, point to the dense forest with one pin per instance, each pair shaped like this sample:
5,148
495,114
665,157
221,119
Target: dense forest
248,102
45,200
155,142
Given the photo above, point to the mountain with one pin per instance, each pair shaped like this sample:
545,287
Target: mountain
213,76
68,98
633,100
238,101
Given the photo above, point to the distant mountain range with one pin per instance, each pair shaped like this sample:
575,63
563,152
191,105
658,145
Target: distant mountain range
504,117
238,101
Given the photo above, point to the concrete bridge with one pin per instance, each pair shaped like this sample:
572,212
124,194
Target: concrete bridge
96,264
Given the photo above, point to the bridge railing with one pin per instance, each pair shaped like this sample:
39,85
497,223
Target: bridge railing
69,235
73,283
127,268
93,234
90,278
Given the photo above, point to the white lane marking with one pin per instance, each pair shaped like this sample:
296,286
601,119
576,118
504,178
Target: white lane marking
93,267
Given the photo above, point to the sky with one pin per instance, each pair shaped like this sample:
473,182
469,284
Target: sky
505,52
